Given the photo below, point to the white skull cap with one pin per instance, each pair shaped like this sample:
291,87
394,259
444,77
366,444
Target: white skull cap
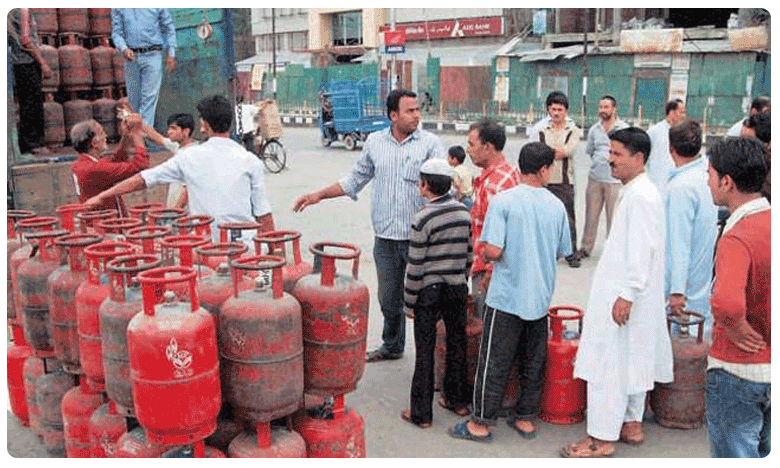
436,166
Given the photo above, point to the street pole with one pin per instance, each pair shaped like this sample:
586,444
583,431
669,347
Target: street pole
585,70
392,66
273,50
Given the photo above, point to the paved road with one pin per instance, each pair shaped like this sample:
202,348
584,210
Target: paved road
383,390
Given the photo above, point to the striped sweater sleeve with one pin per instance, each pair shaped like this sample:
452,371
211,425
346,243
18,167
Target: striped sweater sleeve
418,246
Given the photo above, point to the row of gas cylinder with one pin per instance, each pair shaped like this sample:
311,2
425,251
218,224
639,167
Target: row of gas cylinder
82,21
59,118
119,322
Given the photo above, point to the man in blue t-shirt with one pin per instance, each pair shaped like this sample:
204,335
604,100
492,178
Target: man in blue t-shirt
526,231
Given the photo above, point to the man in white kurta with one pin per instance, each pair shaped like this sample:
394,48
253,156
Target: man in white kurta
625,346
659,163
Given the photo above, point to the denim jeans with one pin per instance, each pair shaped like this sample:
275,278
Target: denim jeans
506,338
738,416
143,78
391,257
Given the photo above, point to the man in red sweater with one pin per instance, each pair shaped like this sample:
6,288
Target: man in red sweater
94,173
738,370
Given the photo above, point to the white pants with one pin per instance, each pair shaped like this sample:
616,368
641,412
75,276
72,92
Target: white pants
608,409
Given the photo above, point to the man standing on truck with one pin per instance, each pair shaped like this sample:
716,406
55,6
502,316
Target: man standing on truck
223,179
392,158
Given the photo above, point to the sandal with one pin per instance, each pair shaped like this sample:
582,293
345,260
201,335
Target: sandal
406,415
459,410
528,435
461,431
631,433
587,448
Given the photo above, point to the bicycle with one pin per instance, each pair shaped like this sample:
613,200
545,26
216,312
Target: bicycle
271,151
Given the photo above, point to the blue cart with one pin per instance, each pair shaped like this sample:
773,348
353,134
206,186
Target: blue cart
349,111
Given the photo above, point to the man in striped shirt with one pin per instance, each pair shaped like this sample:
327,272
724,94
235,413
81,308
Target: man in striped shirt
392,159
436,287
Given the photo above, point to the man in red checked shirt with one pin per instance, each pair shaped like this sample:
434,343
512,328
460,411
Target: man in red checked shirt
485,145
94,173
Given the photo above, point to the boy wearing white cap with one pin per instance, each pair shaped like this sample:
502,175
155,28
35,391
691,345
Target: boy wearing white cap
436,288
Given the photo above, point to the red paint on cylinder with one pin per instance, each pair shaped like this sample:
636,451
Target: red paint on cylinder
260,344
214,290
335,323
332,431
19,255
87,219
140,210
53,124
136,444
73,20
78,405
106,426
75,67
46,18
276,240
67,214
563,396
173,360
164,216
199,225
268,442
31,370
99,21
52,58
101,58
13,243
16,357
116,228
148,237
49,392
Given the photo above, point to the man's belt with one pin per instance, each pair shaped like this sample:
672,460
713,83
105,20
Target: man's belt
142,50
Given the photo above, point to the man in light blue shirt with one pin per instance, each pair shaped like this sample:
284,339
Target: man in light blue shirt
142,34
691,225
526,231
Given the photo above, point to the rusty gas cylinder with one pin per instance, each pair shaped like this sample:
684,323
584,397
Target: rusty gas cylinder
681,404
228,428
563,396
275,241
87,219
116,228
268,442
164,216
17,354
101,58
50,388
140,210
214,290
260,345
75,67
199,225
473,336
46,19
89,296
106,426
35,367
118,65
180,251
148,238
173,360
234,232
78,404
335,322
13,243
104,113
62,285
53,123
73,20
99,21
332,430
75,111
136,444
52,58
33,276
22,253
116,311
67,214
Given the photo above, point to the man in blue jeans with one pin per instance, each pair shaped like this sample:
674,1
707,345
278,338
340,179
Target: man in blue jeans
142,34
392,159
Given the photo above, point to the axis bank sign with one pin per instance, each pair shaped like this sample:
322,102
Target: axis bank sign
466,27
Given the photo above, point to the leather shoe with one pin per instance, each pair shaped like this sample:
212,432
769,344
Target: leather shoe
382,355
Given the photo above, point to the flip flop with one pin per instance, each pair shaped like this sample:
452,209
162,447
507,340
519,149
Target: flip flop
528,435
461,431
459,410
587,448
406,415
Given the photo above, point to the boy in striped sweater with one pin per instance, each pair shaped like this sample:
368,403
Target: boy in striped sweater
440,258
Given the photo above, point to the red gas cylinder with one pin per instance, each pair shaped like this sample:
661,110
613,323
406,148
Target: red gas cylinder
75,68
118,63
148,237
49,390
164,216
89,296
563,396
62,285
33,276
75,111
136,444
473,336
197,450
173,360
116,228
335,323
180,251
53,123
275,241
17,354
227,430
33,368
22,253
67,214
332,431
199,225
106,426
52,58
73,20
77,408
233,232
214,290
268,442
681,404
260,345
99,21
116,312
87,219
104,112
140,210
101,58
46,19
13,243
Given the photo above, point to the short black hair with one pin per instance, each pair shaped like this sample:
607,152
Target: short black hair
437,184
217,112
685,138
556,97
762,125
394,98
635,139
458,153
760,103
609,97
743,159
534,156
489,131
672,105
183,121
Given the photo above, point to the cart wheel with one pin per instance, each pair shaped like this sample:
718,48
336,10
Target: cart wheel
350,142
325,141
274,155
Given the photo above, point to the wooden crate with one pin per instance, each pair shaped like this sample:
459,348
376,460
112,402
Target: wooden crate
269,121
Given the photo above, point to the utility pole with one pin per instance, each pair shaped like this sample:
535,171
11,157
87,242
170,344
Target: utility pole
393,81
585,70
273,50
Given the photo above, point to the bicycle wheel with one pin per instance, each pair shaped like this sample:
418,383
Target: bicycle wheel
274,155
